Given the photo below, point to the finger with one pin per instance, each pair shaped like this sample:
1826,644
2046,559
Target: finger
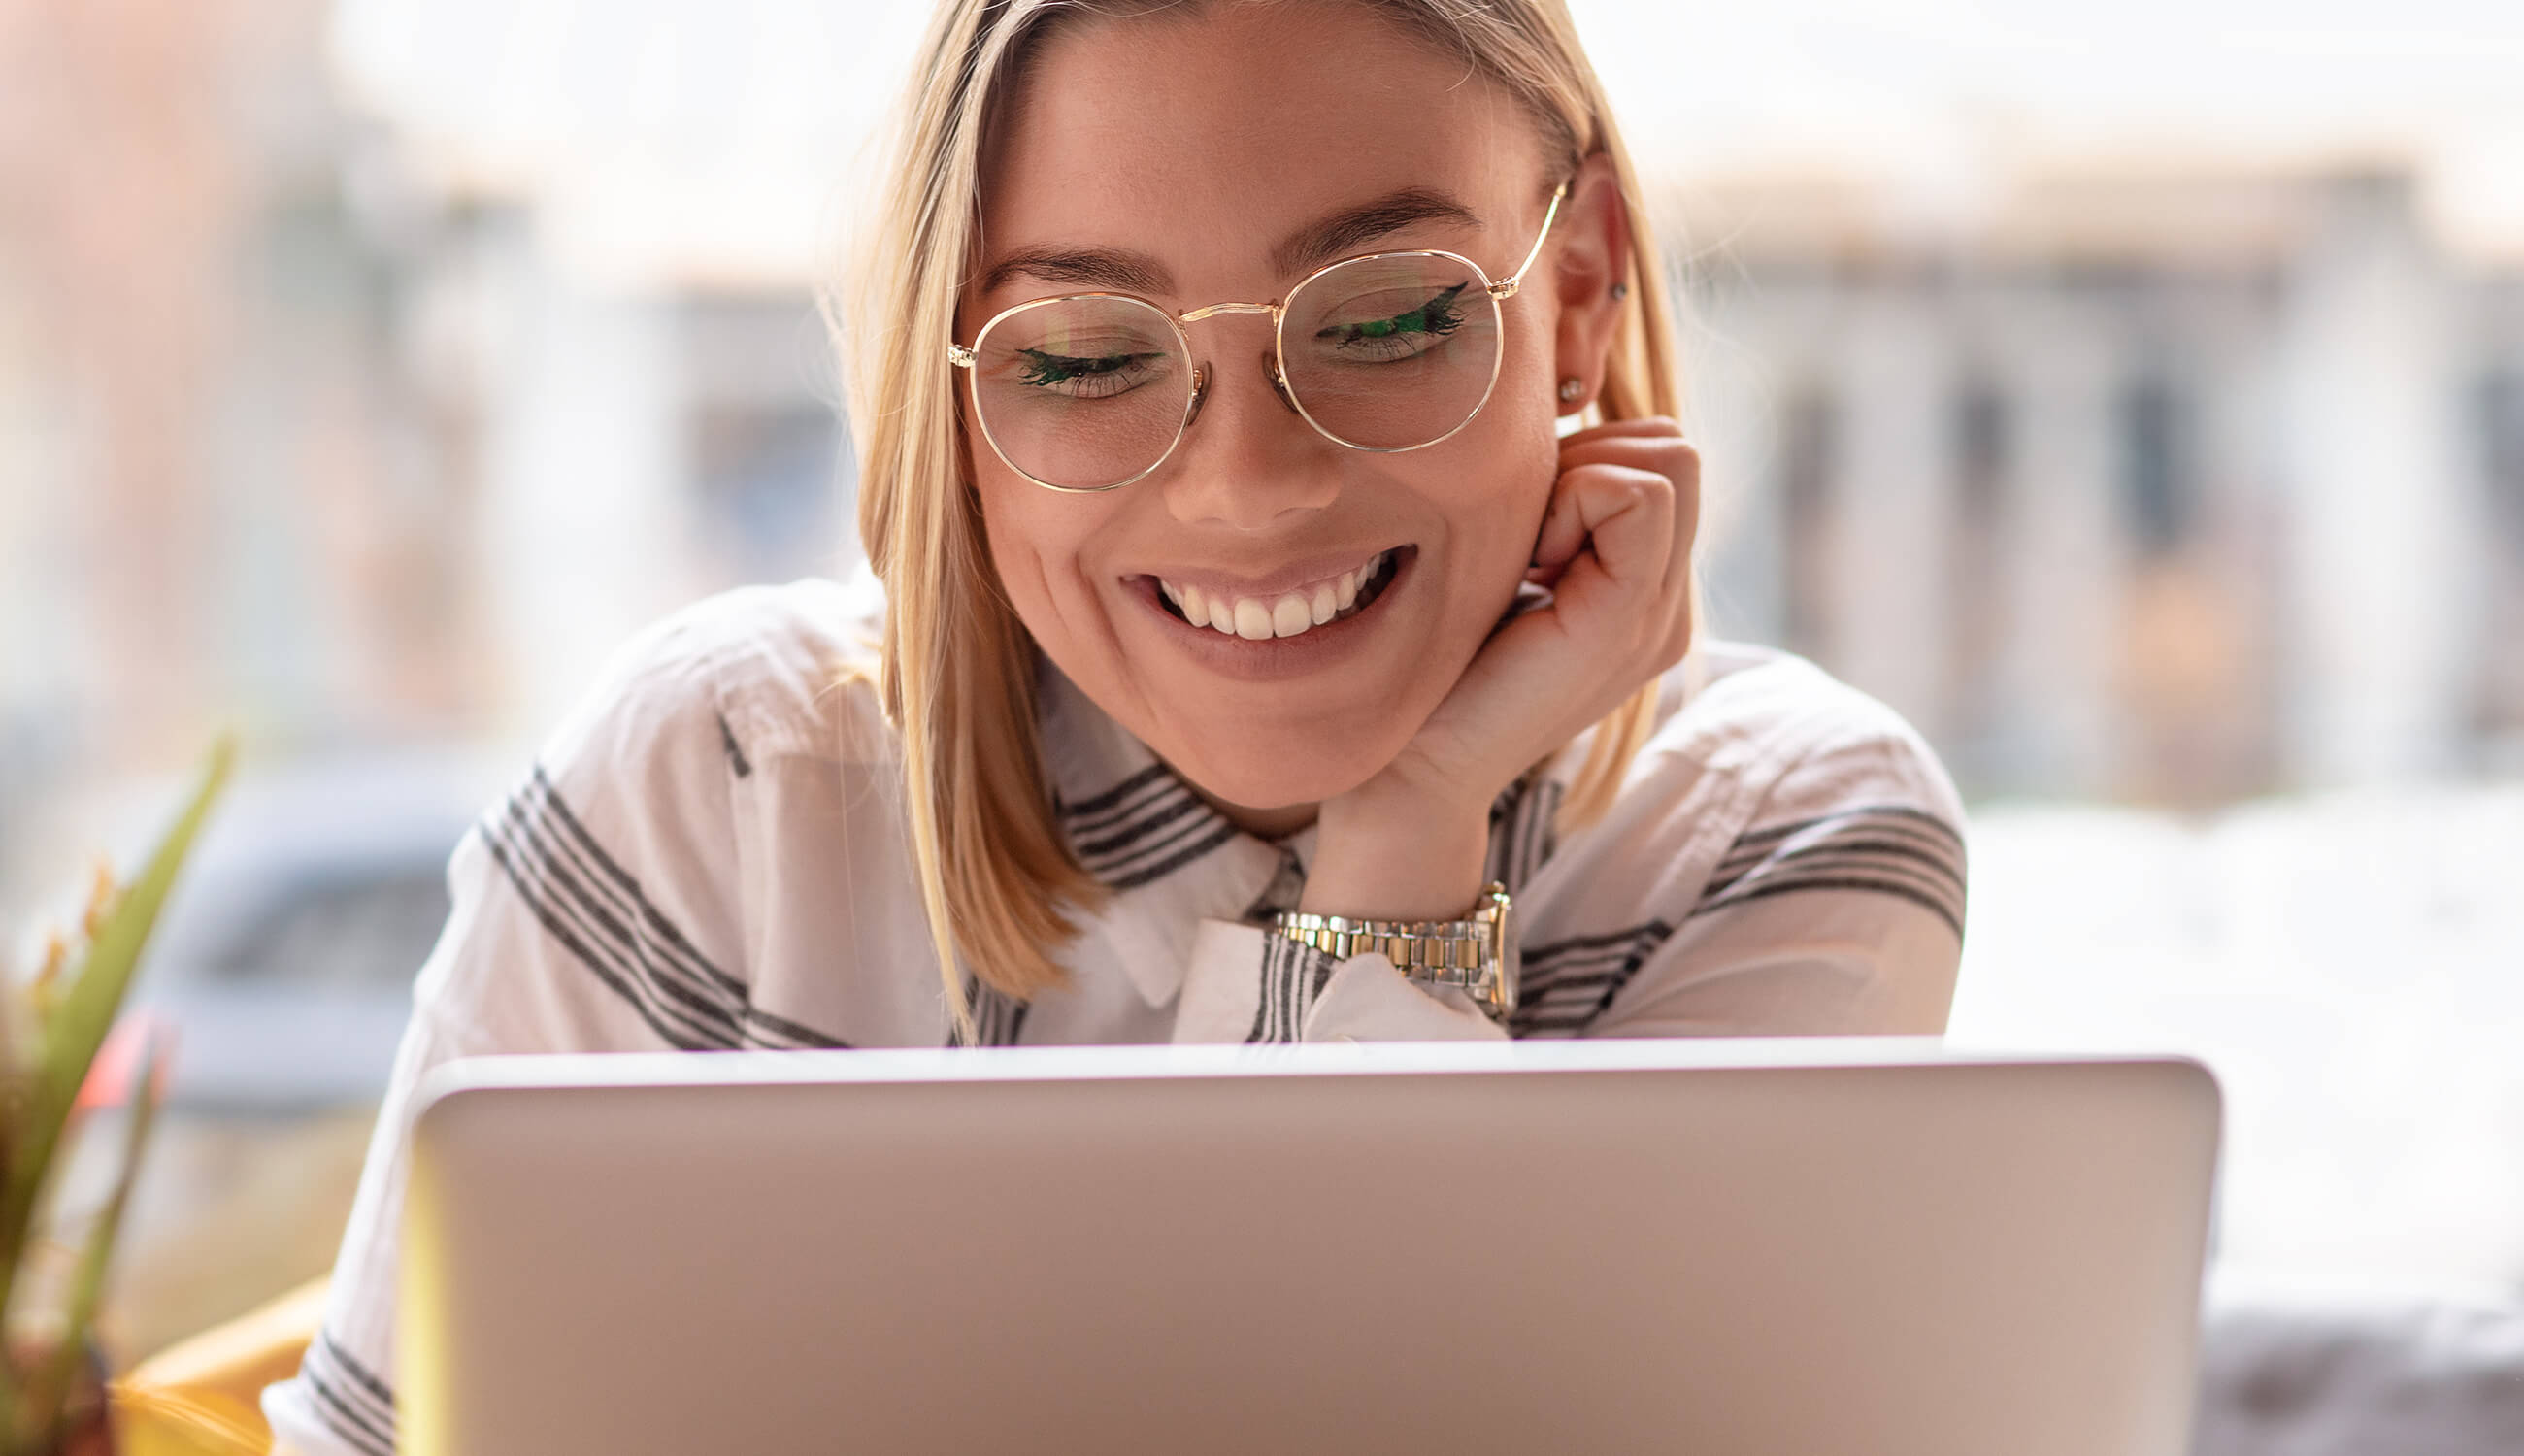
1623,520
1662,451
1665,455
1668,455
1645,425
1563,533
1687,523
1561,536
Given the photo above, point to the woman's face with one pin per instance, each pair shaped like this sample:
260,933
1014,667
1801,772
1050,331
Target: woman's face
1188,159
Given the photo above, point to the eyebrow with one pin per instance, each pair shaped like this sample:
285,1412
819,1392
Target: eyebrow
1309,247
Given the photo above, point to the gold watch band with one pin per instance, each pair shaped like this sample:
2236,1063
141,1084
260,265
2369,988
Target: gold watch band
1463,953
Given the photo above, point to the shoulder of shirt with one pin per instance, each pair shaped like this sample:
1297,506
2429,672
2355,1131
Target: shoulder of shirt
1814,742
763,671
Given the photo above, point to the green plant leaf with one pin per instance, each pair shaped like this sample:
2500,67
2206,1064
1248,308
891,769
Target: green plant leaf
48,1390
88,1004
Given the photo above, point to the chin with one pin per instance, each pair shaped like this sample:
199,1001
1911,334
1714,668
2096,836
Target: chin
1293,773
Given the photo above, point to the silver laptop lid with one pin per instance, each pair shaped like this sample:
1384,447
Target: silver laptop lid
1623,1246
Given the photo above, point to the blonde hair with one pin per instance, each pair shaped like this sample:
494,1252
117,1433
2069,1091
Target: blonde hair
955,669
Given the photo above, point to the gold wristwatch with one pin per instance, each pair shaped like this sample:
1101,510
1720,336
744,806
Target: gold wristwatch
1476,954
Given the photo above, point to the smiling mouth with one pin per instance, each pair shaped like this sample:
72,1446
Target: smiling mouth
1290,614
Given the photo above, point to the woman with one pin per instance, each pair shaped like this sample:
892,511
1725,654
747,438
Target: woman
1235,575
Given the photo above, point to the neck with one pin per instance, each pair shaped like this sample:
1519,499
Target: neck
1269,824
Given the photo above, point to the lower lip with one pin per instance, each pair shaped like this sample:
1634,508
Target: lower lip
1279,658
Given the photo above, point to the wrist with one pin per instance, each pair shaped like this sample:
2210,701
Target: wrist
1396,859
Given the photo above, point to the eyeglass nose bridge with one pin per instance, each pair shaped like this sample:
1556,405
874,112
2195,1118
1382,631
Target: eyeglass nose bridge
1200,377
1200,374
1209,311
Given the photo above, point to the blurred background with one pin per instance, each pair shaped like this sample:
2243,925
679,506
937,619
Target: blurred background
2135,401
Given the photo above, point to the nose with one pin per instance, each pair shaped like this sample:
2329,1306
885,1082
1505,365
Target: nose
1247,464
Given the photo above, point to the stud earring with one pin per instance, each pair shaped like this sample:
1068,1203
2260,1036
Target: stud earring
1571,388
1621,291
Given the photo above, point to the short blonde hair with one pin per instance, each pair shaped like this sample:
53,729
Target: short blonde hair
955,668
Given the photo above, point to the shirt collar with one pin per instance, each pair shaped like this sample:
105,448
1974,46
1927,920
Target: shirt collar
1168,859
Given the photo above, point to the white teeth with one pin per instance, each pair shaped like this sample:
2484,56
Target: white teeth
1286,616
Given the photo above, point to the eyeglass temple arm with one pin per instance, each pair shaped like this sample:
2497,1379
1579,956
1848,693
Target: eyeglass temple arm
1505,288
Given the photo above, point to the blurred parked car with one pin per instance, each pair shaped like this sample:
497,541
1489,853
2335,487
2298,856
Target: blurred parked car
286,954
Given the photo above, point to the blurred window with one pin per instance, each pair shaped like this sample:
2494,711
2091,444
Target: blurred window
771,486
2498,426
1808,451
2157,493
1982,423
349,932
2502,454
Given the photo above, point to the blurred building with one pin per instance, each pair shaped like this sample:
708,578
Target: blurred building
2153,483
292,439
2144,483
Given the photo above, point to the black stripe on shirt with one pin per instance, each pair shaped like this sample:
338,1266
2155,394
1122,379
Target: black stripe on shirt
1544,810
735,755
1853,830
1292,976
1729,872
998,1019
1155,816
1932,880
526,873
1266,995
1090,807
1521,831
1769,833
349,1399
1877,849
1192,846
597,910
1863,882
1149,791
1502,824
1142,829
1563,985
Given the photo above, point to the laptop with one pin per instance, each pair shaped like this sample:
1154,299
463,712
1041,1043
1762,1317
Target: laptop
1726,1245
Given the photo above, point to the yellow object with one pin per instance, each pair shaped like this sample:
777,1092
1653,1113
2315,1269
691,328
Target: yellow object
203,1396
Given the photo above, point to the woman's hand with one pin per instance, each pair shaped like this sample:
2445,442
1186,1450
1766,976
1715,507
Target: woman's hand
1616,550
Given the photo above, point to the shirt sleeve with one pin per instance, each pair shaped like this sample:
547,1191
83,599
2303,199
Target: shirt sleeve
584,916
1838,907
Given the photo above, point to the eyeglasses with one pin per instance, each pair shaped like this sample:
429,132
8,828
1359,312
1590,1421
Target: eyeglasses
1387,352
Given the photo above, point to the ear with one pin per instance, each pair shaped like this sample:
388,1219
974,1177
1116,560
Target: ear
1592,257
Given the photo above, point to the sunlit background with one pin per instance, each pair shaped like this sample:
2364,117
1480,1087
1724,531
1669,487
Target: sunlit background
2134,400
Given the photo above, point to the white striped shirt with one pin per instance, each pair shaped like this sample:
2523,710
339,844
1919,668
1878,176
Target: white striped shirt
708,854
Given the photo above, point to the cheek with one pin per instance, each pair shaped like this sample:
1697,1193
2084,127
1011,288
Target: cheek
1513,466
1036,546
1025,544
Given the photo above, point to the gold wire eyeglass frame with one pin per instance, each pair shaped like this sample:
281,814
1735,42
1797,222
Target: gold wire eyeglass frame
964,358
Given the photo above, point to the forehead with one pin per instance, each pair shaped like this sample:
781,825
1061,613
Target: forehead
1203,134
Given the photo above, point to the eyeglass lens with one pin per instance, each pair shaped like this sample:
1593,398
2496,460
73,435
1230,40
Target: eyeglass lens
1381,352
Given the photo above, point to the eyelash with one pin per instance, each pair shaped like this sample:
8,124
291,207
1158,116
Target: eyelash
1382,339
1047,370
1436,318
